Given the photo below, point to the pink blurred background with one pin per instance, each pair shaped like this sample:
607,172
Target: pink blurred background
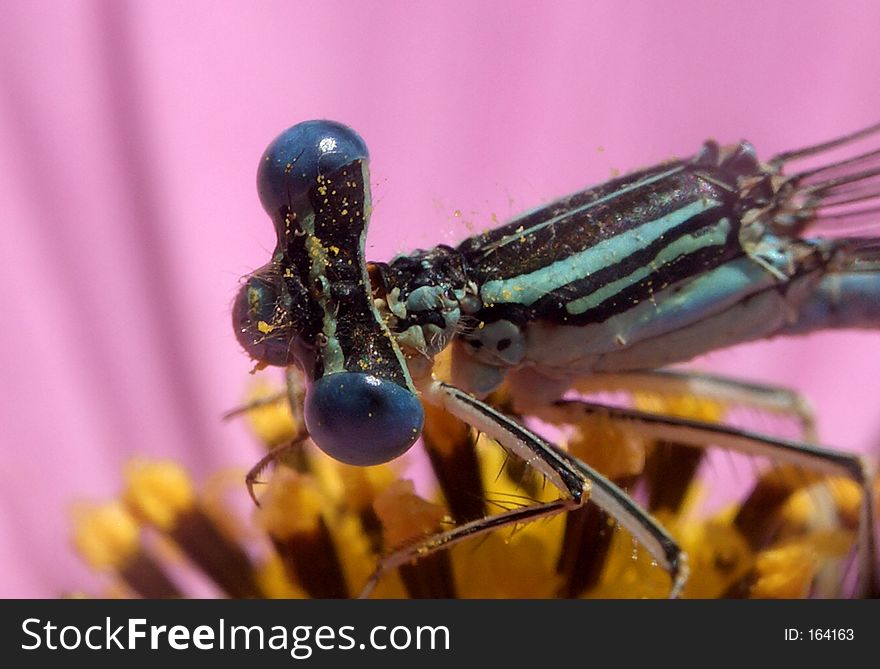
129,138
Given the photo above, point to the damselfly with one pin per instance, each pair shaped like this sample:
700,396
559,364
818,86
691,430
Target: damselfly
600,289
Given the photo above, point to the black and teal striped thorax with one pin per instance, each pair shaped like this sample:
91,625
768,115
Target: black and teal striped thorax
597,253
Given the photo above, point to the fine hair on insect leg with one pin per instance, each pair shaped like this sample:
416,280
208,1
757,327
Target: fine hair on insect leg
573,478
698,434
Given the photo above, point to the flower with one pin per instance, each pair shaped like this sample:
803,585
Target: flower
321,526
129,133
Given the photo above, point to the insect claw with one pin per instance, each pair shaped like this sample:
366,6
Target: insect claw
250,488
275,454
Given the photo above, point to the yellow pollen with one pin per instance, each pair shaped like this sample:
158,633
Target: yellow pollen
291,505
107,535
784,573
272,423
405,516
158,491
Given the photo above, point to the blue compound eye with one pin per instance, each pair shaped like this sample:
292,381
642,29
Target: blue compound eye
265,317
360,419
294,163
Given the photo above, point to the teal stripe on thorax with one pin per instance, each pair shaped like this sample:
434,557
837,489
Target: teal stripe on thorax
528,288
682,246
577,211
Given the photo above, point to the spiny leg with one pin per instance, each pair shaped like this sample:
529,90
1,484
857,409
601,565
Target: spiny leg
727,391
701,434
293,447
806,151
576,480
257,403
294,391
666,392
588,537
444,540
671,467
291,450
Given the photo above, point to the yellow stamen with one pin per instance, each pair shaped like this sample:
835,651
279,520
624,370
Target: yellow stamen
405,516
158,491
680,406
607,446
847,496
719,555
506,565
292,504
276,582
363,484
445,432
784,573
106,535
272,423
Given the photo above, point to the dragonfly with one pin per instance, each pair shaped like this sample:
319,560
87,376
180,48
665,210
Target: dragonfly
603,288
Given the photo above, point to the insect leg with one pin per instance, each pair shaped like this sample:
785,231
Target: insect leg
291,449
701,434
576,480
722,389
294,391
243,409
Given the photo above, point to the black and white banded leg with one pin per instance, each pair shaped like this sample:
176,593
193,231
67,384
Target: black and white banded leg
726,391
578,482
701,434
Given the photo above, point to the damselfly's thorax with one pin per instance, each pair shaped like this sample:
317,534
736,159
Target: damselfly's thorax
512,273
424,297
639,212
658,266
